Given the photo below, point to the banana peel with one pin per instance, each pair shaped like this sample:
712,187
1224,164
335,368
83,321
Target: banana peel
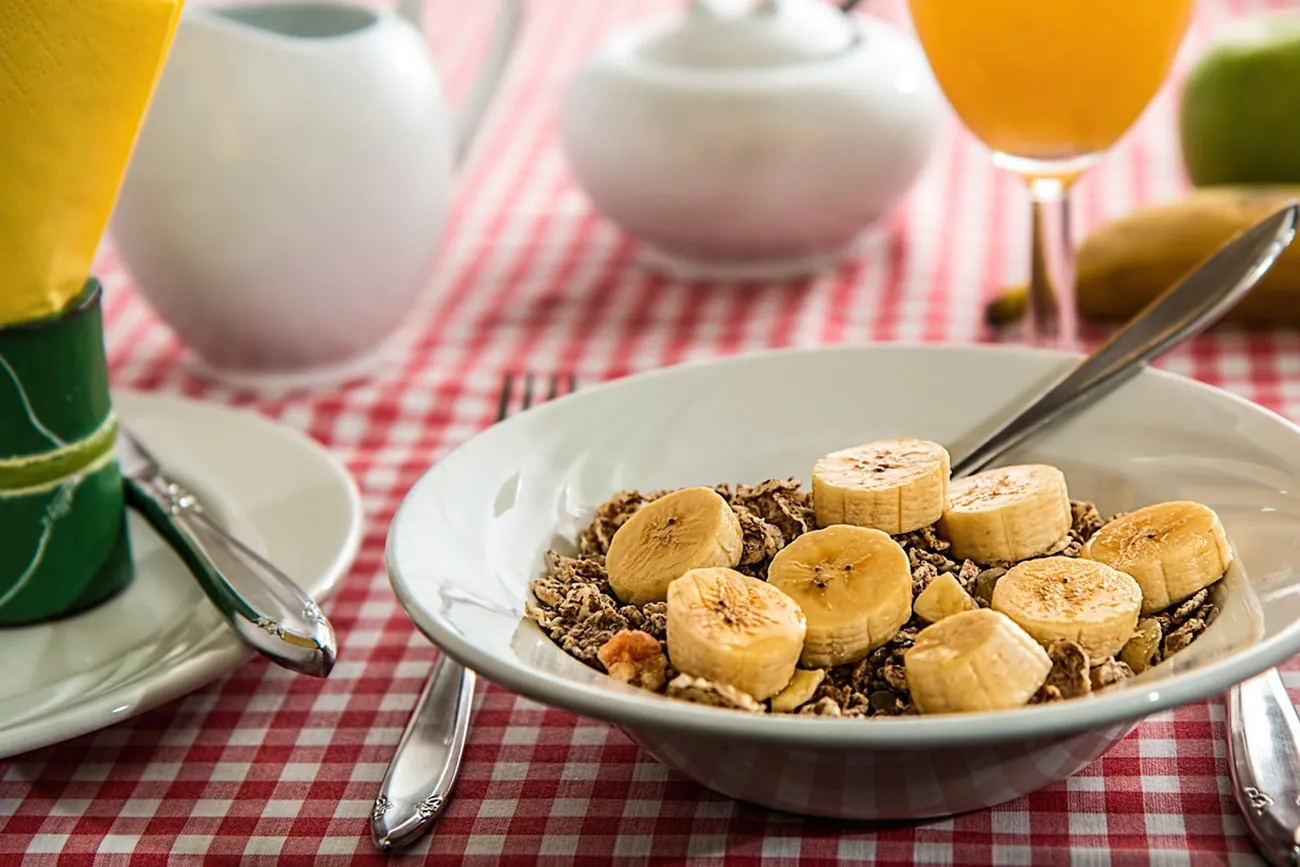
1125,264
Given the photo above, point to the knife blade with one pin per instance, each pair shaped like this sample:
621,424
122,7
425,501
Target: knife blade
268,611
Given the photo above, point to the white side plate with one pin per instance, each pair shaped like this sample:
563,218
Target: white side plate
280,492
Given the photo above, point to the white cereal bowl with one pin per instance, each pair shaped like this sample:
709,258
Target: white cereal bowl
470,536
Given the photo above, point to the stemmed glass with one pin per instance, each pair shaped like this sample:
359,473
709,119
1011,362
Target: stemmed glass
1049,86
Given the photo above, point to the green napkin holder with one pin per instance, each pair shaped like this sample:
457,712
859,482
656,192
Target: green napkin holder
63,538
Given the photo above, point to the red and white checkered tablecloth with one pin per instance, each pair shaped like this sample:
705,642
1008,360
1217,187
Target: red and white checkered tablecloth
264,765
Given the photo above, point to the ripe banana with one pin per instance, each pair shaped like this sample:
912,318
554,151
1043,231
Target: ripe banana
1125,264
733,629
1079,600
687,529
897,485
854,585
974,661
1171,549
1007,514
799,690
943,597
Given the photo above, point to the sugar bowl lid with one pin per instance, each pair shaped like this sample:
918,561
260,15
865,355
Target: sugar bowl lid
749,34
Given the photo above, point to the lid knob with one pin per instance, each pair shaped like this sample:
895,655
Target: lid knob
748,34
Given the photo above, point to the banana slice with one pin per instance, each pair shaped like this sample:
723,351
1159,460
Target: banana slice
1171,549
943,597
1007,514
799,690
854,585
1079,600
896,485
730,628
974,661
688,529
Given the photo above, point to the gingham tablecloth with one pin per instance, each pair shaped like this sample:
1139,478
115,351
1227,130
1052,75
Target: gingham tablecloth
264,765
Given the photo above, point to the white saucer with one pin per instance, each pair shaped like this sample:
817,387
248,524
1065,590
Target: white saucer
280,492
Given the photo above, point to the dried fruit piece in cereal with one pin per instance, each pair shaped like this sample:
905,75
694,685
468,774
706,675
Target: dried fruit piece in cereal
854,586
799,690
688,529
897,485
734,629
1171,549
942,598
1142,650
1061,597
634,657
1007,514
986,582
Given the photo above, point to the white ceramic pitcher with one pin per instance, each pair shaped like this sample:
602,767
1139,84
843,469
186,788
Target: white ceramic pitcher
288,191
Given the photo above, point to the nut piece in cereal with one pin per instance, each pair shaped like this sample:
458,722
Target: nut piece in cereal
1007,514
854,585
943,597
691,528
974,661
727,627
896,485
1172,549
635,658
1055,598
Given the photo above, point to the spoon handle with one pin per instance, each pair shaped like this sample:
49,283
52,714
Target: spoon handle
423,770
1264,760
1183,311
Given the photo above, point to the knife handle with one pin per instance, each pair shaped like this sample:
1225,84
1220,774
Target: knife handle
264,607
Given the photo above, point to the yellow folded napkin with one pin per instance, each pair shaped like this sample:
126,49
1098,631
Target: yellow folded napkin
76,77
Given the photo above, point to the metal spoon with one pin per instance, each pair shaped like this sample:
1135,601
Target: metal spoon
1186,309
1263,726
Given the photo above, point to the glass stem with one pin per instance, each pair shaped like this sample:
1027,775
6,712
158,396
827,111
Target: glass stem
1051,317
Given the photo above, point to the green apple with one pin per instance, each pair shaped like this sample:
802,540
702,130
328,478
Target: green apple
1239,116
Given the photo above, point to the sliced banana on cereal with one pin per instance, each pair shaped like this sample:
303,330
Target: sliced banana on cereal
733,629
943,597
1055,598
854,585
801,688
1007,514
1172,549
974,661
687,529
896,485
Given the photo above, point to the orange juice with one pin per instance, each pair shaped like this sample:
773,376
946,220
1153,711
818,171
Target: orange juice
1050,79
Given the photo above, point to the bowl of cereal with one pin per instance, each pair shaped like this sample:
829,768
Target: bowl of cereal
763,572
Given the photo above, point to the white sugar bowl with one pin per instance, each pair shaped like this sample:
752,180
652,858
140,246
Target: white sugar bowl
751,139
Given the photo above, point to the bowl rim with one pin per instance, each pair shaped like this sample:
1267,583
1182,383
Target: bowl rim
630,707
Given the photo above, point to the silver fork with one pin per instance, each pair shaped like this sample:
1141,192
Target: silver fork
423,769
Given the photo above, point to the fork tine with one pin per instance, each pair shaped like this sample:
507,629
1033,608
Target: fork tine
528,390
503,405
573,382
553,390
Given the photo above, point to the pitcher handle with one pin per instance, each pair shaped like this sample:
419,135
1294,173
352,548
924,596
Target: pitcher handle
469,114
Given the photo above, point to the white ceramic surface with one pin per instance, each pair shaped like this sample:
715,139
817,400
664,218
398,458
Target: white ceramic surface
470,536
739,144
287,194
279,491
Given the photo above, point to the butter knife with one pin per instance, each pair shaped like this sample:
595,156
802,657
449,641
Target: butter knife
264,607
